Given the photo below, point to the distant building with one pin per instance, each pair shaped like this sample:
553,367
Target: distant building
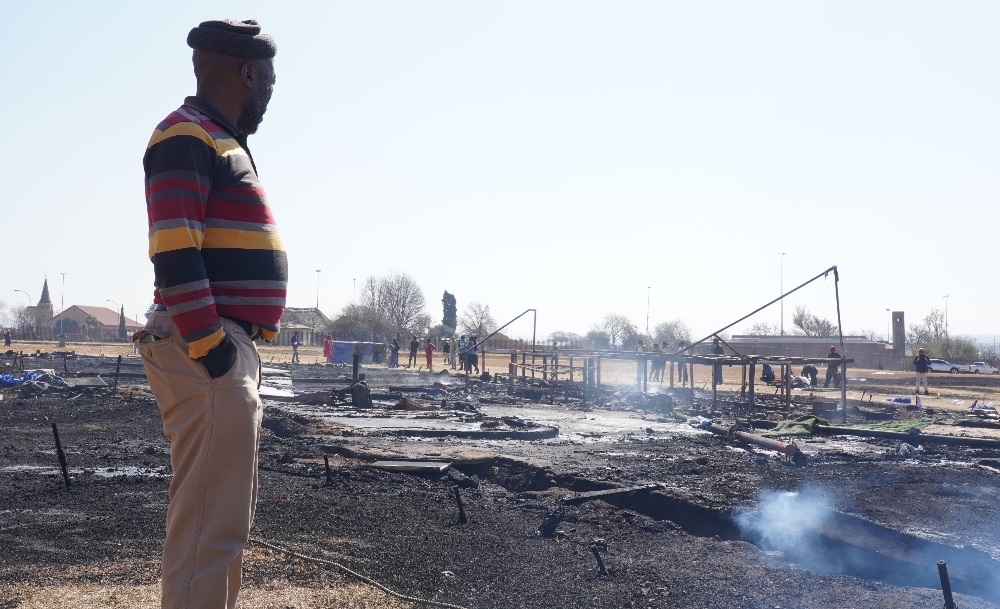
309,321
80,322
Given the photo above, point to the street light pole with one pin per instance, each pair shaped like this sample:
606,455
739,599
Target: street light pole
354,294
26,294
946,315
648,288
62,305
888,327
781,279
317,288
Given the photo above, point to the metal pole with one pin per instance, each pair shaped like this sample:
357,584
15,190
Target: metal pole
949,602
759,309
781,284
946,315
648,289
317,287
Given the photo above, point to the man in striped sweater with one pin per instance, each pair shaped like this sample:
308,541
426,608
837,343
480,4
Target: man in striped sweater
220,276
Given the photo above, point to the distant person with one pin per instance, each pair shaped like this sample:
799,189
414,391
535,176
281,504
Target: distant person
6,338
454,353
767,375
394,354
295,342
832,373
414,345
682,369
717,368
922,364
463,352
447,350
429,348
328,349
472,354
659,363
812,373
220,272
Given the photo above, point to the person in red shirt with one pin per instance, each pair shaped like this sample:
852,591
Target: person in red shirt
429,351
328,348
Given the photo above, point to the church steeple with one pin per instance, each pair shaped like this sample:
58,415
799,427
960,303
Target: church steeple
45,300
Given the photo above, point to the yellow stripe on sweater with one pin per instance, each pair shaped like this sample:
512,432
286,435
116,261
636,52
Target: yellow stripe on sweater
202,346
242,239
170,239
185,128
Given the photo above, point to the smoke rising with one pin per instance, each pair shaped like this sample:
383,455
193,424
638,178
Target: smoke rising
808,530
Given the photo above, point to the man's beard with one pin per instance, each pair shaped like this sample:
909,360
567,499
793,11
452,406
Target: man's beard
253,111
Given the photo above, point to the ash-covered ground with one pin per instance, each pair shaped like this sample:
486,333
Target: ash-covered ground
707,523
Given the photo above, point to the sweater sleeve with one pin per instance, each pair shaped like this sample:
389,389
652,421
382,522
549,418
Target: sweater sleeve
178,167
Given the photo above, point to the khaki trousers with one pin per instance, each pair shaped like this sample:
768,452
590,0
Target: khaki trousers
214,428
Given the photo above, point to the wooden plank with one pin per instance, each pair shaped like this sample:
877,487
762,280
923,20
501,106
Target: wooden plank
581,497
412,466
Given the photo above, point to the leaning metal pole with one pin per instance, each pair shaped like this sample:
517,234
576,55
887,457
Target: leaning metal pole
533,326
758,310
843,366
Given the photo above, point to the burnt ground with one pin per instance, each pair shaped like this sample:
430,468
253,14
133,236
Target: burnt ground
862,524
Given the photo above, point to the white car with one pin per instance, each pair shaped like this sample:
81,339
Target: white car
982,367
940,365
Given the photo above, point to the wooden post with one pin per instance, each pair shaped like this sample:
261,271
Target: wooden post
545,367
61,455
571,369
753,379
532,364
843,391
597,381
512,368
523,361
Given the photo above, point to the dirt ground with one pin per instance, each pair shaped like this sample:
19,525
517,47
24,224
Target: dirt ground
695,520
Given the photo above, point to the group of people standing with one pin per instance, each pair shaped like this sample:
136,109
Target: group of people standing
659,363
462,354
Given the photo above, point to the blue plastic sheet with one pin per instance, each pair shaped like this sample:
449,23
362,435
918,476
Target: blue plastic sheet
9,380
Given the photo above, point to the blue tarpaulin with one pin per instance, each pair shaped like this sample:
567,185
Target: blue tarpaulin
9,380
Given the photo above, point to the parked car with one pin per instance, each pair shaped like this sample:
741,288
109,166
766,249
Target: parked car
982,367
940,365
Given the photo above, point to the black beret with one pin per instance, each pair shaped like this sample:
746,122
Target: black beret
231,37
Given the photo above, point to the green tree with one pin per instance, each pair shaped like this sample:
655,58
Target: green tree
807,324
90,325
477,320
931,331
618,329
599,339
930,335
122,332
763,328
361,323
450,306
398,297
669,332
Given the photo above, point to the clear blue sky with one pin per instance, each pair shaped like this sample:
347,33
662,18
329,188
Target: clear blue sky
575,157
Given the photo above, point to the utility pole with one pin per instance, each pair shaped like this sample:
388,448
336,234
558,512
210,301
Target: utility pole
781,291
317,288
946,315
648,288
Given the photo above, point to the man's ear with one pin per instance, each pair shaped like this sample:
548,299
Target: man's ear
247,74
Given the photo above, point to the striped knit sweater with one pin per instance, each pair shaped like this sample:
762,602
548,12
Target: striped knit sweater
215,249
